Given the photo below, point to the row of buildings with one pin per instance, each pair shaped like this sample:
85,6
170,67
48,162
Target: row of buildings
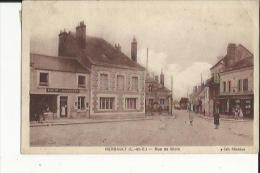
231,84
92,78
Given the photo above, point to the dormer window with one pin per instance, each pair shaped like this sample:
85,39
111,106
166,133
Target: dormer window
81,81
44,79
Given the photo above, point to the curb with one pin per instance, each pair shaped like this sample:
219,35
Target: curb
90,122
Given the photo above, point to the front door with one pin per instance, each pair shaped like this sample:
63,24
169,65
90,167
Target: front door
63,106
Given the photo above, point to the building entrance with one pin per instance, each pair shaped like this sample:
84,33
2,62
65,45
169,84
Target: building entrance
63,106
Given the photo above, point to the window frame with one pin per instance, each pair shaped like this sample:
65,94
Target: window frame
39,78
79,103
85,80
128,101
132,89
245,85
107,103
224,86
124,82
99,80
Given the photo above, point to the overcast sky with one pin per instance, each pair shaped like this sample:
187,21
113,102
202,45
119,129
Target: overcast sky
184,38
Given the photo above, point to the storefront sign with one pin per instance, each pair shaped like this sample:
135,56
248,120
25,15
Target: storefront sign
62,90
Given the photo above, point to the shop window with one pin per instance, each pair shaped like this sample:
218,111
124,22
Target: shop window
44,79
135,83
120,82
106,103
130,103
81,103
245,85
104,81
239,85
81,81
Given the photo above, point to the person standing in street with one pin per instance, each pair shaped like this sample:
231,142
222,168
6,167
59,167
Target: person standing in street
236,112
240,113
216,116
190,115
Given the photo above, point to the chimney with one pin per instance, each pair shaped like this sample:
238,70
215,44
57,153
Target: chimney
134,50
162,78
231,53
62,37
81,35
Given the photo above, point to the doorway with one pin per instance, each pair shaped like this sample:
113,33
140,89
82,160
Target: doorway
63,106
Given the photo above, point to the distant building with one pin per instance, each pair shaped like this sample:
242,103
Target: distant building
184,102
157,96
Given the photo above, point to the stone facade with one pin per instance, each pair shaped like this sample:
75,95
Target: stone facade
112,92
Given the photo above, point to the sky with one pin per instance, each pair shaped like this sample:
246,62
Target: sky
184,38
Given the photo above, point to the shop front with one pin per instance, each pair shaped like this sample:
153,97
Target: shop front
59,103
245,102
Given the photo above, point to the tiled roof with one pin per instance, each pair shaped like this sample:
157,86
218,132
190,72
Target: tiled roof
247,62
100,52
65,64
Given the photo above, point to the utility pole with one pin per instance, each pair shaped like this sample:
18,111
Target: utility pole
147,61
171,95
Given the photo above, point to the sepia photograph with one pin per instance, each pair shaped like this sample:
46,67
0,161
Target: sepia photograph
140,77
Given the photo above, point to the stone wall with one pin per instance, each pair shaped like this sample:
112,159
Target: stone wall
112,91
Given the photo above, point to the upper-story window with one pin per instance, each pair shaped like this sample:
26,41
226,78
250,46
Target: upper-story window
104,81
245,85
44,79
81,81
229,86
120,82
135,83
239,87
224,86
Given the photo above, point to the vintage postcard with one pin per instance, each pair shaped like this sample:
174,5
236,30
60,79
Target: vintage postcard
140,77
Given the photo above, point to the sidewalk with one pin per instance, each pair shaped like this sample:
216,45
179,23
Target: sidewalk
222,118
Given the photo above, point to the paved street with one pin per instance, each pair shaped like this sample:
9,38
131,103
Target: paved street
161,130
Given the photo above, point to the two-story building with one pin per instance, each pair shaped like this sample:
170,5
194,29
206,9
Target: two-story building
117,82
236,88
59,86
233,81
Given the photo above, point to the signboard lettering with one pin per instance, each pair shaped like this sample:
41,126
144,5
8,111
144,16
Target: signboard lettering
62,90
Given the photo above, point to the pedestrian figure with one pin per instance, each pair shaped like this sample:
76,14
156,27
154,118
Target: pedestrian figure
41,115
236,112
216,116
63,110
240,113
190,116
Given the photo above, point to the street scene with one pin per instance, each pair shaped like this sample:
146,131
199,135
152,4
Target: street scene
163,75
159,130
